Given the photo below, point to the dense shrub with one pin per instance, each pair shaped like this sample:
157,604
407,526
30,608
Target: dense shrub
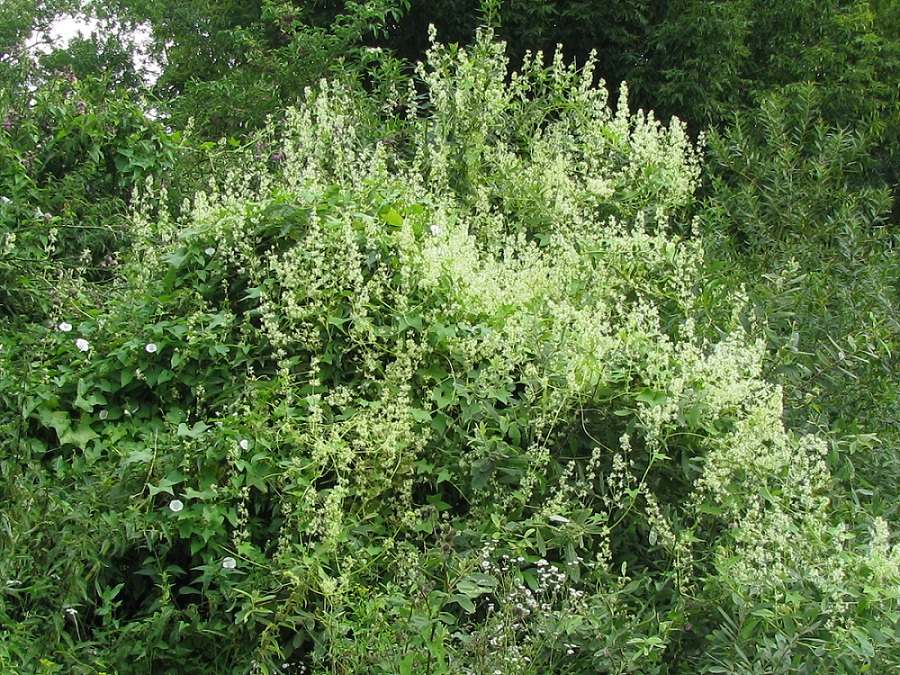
445,395
72,155
792,206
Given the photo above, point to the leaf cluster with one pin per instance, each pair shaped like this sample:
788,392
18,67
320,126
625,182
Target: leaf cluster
72,156
437,393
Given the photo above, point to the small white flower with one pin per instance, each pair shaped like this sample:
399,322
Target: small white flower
209,251
104,414
435,230
245,444
82,344
5,199
151,348
176,505
229,563
65,326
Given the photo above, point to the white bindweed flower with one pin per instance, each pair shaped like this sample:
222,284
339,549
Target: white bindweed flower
151,348
82,344
209,251
65,326
245,444
176,505
229,563
104,414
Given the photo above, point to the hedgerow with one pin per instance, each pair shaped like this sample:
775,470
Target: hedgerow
439,393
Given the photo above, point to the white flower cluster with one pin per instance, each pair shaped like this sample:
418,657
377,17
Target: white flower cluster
524,248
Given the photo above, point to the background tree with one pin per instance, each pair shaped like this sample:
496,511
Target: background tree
75,142
108,56
25,26
227,65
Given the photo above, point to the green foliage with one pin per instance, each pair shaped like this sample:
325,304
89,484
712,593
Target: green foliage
790,203
226,65
25,25
72,156
437,394
756,166
101,56
705,60
695,60
613,29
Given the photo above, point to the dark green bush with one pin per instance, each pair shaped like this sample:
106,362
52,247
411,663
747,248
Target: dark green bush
72,156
